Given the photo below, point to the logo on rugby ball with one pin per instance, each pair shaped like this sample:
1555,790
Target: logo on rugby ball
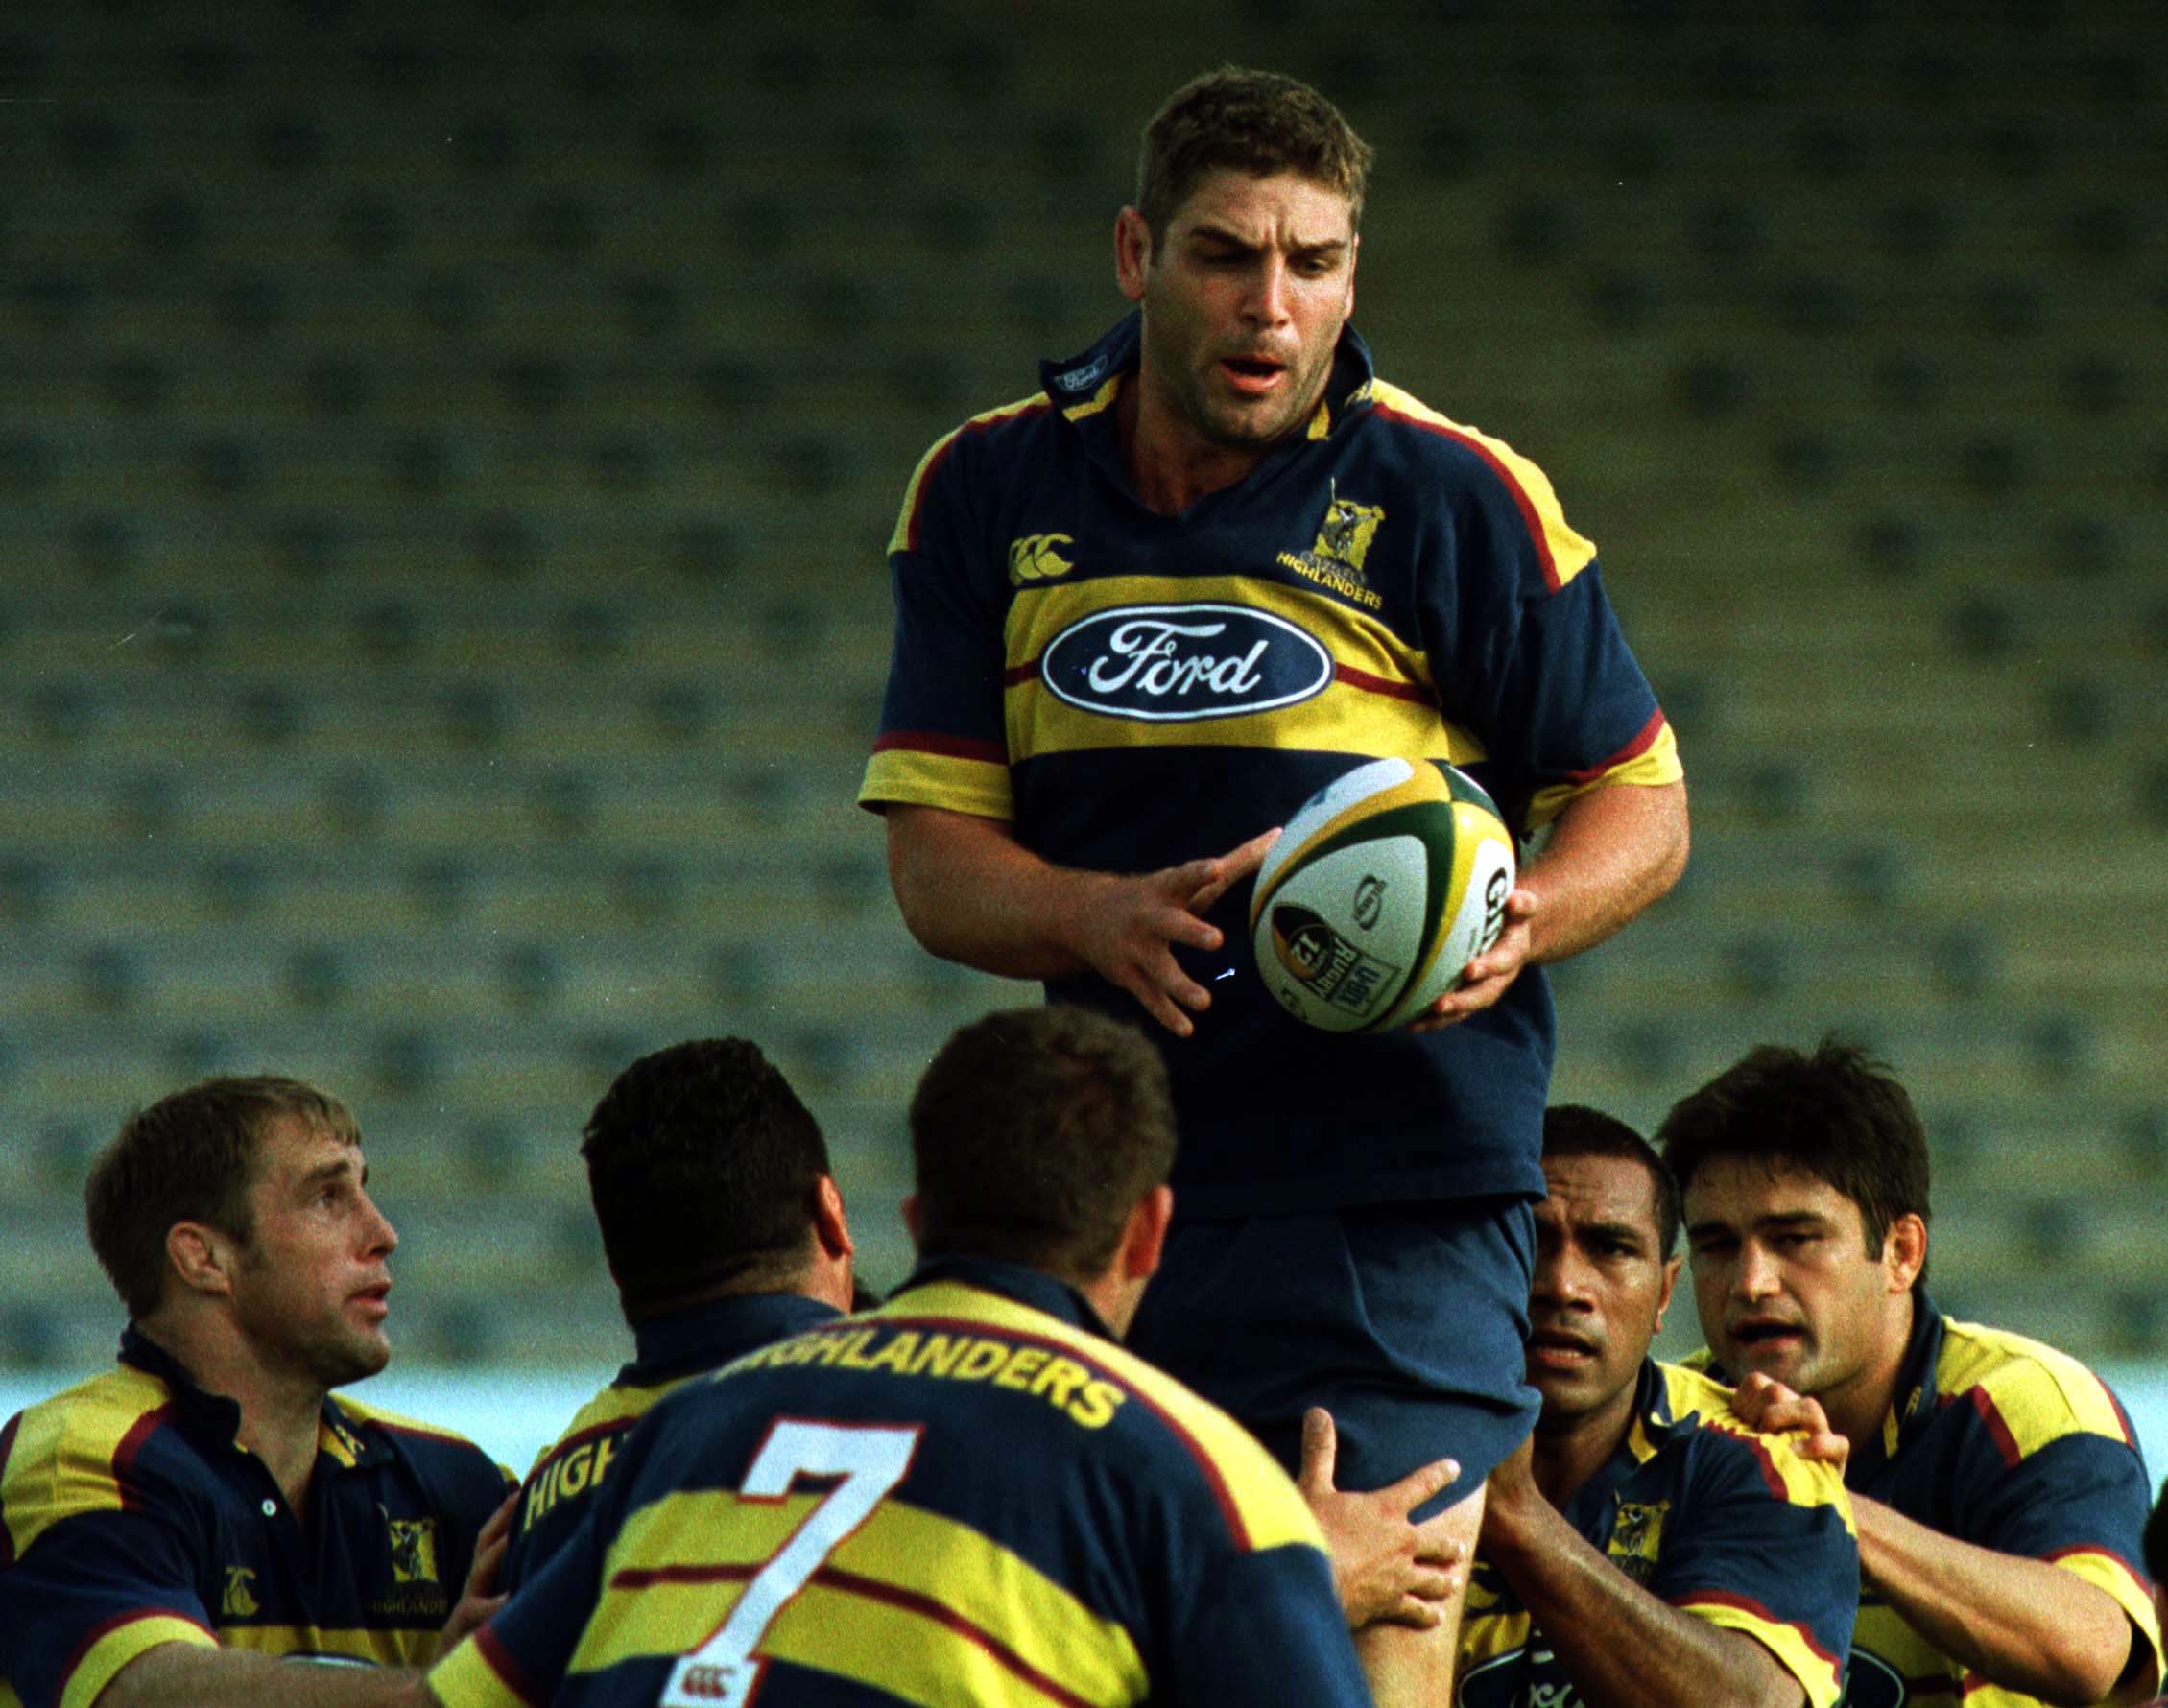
1335,970
1369,900
1177,663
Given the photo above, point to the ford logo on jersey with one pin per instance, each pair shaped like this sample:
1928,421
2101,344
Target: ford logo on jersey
1173,663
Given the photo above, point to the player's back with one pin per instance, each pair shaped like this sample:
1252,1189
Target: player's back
969,1495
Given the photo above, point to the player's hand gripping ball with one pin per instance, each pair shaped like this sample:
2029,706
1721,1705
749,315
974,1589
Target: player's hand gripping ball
1381,890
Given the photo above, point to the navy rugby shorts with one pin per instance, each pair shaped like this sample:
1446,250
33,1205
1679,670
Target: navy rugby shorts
1406,1321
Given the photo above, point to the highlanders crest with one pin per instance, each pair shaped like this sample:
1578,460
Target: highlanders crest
414,1549
1637,1537
1335,558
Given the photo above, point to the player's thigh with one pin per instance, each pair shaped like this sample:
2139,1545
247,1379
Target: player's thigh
1406,1321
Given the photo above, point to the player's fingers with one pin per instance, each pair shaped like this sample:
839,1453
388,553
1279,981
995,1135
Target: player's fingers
1178,926
1436,1545
1422,1616
1231,867
1431,1586
1157,1002
500,1522
1321,1449
1423,1481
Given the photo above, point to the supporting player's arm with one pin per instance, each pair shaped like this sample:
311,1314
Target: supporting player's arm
1623,1647
185,1675
2026,1625
1612,852
970,892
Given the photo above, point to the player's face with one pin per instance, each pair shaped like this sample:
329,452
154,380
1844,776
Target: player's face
311,1295
1601,1286
1783,1278
1243,296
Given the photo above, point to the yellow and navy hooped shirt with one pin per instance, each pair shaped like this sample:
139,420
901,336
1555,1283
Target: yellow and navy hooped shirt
669,1351
1126,691
2004,1442
1707,1515
968,1495
134,1518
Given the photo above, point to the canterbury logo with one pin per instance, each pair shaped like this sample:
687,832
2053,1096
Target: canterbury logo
1037,556
239,1602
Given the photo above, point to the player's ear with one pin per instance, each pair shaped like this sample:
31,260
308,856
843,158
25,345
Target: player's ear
1904,1250
830,1224
1145,1236
1671,1268
202,1257
914,1220
1132,252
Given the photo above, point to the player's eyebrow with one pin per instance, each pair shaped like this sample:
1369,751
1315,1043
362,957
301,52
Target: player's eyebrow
1625,1232
1321,249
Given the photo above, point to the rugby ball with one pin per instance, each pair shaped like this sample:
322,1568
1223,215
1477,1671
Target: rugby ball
1380,890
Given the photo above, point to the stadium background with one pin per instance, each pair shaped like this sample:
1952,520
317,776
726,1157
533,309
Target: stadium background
445,457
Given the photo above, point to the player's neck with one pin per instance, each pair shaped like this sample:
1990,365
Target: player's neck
1170,463
1857,1406
279,1410
1565,1453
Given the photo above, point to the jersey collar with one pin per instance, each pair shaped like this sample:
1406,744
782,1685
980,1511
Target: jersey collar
1026,1286
1917,1398
214,1418
1652,1421
1084,388
679,1343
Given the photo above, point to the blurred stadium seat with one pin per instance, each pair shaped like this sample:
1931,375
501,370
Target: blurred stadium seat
494,507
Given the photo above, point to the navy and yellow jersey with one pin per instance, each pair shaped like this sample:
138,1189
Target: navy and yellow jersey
969,1496
1126,691
1707,1515
134,1518
2000,1441
669,1351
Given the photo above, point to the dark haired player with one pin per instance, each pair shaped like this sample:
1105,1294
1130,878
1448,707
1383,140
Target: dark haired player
1212,563
176,1527
1650,1551
1998,1491
724,1229
971,1494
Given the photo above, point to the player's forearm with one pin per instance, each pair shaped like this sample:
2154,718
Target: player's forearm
182,1675
1623,1647
970,892
1612,852
2024,1624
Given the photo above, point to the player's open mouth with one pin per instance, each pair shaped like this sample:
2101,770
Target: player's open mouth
1253,374
1766,1333
1557,1349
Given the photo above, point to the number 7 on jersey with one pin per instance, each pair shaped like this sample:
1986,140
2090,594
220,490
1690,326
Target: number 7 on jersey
870,1459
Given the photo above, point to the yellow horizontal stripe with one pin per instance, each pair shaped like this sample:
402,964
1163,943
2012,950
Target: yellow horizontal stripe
898,776
902,1546
122,1644
1270,1510
1657,765
1354,638
1341,719
1486,1635
1570,553
465,1679
382,1648
1821,1676
62,1460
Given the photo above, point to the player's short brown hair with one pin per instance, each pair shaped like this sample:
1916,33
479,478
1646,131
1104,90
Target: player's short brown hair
1575,1130
703,1164
189,1157
1036,1133
1838,1114
1257,122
